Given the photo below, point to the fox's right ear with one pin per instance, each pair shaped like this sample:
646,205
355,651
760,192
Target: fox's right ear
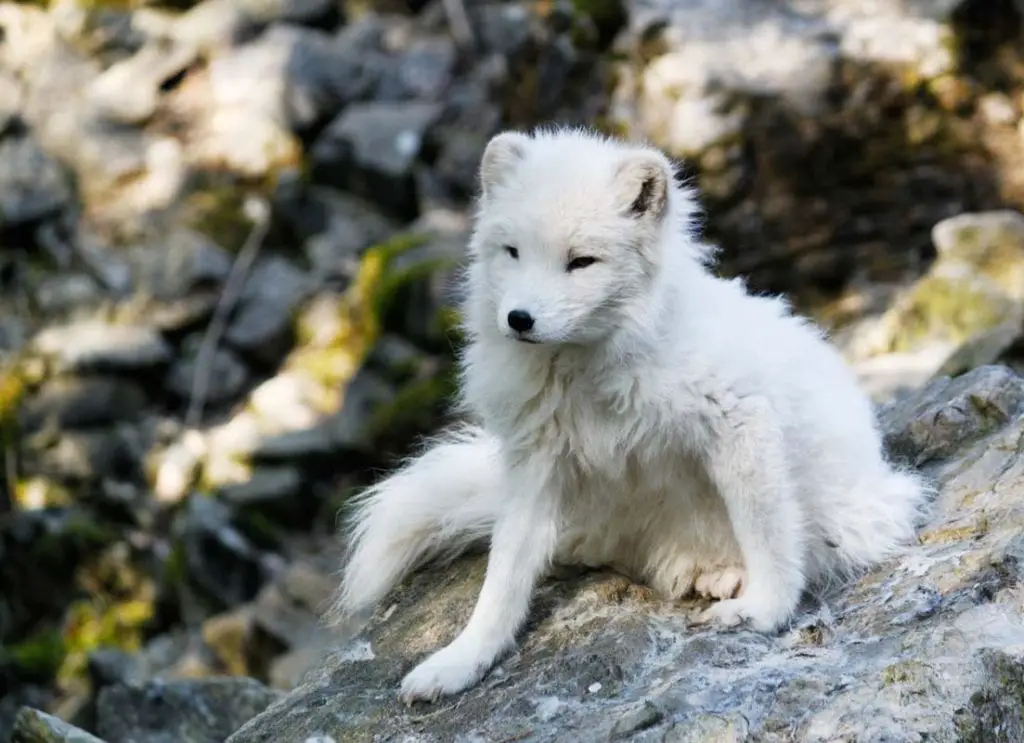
499,158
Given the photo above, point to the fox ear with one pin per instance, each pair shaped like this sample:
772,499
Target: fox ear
643,184
500,156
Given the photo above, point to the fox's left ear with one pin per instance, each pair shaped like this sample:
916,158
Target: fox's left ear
643,184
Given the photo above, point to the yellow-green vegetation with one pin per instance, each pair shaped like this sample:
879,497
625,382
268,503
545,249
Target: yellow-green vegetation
40,492
945,535
332,358
218,212
413,407
905,672
947,308
12,390
38,656
120,603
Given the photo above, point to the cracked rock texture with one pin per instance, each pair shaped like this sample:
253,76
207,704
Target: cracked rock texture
929,646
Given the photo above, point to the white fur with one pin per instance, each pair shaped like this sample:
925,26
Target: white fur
660,420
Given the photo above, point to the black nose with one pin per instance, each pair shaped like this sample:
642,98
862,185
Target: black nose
520,320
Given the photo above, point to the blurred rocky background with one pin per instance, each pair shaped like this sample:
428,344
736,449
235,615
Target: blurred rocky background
228,230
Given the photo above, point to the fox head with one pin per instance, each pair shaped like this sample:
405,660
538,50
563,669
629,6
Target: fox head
570,235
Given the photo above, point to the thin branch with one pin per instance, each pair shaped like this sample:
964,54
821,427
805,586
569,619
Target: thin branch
259,212
458,23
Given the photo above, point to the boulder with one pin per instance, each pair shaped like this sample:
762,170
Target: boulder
927,646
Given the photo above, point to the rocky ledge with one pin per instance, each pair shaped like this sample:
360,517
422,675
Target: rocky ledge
927,647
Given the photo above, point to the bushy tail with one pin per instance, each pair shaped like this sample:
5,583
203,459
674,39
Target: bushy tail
882,522
436,505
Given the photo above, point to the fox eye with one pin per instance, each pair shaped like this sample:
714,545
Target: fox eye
514,252
582,262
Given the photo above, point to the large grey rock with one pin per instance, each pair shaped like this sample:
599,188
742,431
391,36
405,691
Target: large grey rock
83,402
226,376
927,646
261,326
187,711
35,726
372,149
96,346
33,186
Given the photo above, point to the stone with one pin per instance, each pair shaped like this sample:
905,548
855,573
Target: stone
33,186
185,711
289,609
227,377
372,149
128,91
35,726
422,71
947,414
96,346
261,325
72,402
336,228
293,75
278,494
181,262
940,624
92,456
220,560
176,469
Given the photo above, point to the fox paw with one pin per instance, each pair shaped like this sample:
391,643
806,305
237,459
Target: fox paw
448,671
720,583
763,616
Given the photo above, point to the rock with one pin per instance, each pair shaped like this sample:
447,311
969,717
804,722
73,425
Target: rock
751,132
371,149
292,75
109,666
183,261
642,717
128,91
175,470
335,228
95,346
33,186
237,643
422,70
261,325
93,456
948,414
34,726
289,609
188,711
967,309
602,657
61,294
219,559
227,377
83,402
277,494
709,729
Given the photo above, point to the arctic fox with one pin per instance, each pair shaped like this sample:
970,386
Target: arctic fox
628,409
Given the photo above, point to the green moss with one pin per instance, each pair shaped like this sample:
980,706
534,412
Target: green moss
38,656
953,309
413,409
218,213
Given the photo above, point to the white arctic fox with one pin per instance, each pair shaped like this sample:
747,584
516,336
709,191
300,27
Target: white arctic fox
629,409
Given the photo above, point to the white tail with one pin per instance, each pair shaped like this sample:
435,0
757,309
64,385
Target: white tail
436,505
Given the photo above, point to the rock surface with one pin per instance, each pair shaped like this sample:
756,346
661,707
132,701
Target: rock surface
942,626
